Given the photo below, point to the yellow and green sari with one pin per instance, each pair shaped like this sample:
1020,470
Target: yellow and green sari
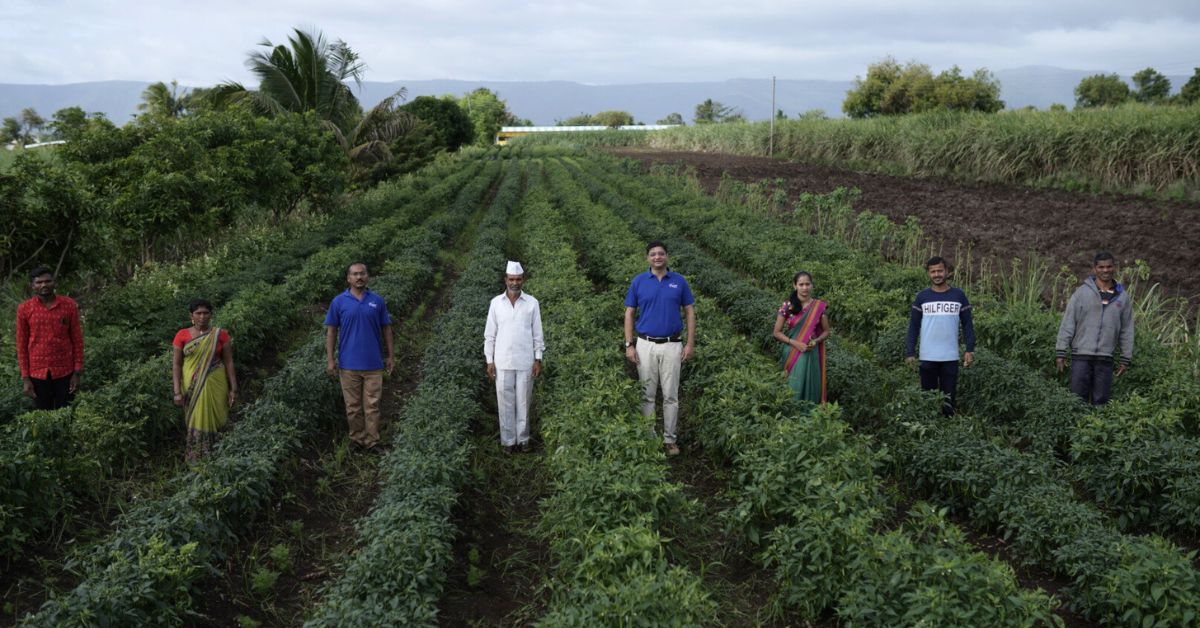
805,370
206,393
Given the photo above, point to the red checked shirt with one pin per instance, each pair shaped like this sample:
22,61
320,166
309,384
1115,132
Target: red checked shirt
49,340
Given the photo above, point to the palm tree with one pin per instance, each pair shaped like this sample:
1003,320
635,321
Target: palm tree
160,100
371,142
308,74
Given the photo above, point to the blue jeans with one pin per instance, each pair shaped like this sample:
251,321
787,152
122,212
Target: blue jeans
1091,378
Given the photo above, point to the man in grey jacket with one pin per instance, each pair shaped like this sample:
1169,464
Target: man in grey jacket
1099,317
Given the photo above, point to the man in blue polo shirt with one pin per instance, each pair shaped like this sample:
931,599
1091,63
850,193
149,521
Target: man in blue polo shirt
358,322
658,295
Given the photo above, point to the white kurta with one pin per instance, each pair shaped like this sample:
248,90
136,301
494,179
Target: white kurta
512,340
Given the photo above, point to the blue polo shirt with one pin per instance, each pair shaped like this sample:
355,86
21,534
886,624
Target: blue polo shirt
658,302
360,330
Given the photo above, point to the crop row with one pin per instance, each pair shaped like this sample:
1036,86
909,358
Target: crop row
807,497
611,496
396,576
1117,578
1138,459
54,461
146,572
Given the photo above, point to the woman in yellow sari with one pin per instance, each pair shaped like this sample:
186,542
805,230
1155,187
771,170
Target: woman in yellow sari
204,378
802,325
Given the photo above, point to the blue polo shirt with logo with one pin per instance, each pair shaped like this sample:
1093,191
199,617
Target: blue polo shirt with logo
658,302
360,330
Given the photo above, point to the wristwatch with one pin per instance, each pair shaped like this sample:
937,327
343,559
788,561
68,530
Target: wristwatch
628,343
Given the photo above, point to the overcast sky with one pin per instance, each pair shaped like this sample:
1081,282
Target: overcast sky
601,42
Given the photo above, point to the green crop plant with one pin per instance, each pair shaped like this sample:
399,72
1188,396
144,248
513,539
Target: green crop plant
397,574
210,506
765,432
611,496
1033,503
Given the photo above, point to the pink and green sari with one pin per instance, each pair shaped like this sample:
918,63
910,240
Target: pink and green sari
206,393
806,371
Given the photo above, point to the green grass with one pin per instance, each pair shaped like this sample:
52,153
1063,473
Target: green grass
8,157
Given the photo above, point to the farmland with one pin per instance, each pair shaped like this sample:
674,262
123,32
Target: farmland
991,222
1026,509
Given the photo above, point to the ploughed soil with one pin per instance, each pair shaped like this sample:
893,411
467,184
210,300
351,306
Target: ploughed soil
997,221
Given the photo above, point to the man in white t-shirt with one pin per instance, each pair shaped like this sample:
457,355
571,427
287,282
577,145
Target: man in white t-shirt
513,345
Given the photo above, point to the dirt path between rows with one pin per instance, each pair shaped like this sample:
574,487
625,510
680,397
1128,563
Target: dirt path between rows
998,221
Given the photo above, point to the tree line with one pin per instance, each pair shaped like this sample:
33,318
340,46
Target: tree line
1149,86
194,162
890,88
708,112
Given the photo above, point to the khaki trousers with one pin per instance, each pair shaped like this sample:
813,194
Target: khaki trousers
363,392
658,366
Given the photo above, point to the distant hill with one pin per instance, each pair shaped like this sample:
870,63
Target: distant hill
545,102
117,99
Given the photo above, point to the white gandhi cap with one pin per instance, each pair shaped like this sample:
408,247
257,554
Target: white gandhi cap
514,268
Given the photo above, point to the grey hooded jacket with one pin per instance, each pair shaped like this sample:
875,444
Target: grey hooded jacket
1090,328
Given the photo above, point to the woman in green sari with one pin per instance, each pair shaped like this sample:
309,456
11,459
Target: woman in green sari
204,378
802,325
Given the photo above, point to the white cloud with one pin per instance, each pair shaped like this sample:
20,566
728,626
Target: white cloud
620,41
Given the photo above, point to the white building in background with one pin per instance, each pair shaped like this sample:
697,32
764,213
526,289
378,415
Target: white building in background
508,132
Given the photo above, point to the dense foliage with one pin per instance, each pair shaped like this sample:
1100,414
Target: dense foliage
450,123
1101,90
892,89
611,118
118,197
488,112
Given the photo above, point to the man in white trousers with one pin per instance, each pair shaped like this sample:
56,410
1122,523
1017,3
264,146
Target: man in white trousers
513,345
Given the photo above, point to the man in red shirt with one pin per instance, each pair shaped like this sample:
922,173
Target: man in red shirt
49,343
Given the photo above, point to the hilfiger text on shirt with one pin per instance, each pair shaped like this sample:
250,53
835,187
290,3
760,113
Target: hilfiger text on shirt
941,308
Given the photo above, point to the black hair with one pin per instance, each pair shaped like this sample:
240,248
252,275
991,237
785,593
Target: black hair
935,260
655,243
794,305
1103,256
38,272
353,264
196,304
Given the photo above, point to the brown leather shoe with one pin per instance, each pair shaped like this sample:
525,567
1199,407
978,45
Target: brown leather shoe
672,449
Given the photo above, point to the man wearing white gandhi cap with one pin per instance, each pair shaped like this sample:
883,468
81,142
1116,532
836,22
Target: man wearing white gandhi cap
513,345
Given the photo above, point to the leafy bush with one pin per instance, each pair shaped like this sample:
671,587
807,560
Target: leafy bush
926,573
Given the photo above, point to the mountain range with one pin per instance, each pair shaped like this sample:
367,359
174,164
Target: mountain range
545,102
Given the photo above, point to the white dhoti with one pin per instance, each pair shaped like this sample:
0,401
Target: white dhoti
514,390
659,365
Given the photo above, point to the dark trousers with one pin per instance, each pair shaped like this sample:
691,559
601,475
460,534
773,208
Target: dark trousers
51,394
941,376
1091,378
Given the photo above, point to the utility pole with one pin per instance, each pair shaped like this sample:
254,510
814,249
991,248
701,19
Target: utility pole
771,141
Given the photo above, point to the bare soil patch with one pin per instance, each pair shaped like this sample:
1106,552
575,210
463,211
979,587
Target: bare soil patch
997,221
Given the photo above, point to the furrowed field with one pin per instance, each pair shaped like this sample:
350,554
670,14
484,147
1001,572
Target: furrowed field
1028,508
